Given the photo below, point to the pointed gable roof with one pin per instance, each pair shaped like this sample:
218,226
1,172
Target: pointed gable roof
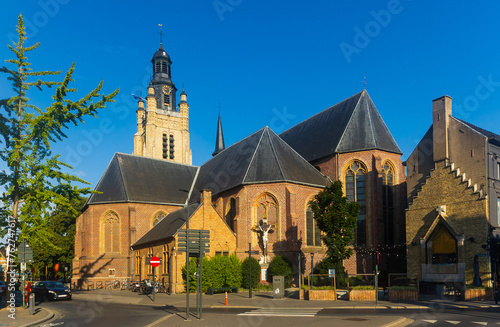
130,178
168,226
351,125
262,157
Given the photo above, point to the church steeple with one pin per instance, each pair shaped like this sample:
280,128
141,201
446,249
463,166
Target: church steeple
219,140
162,79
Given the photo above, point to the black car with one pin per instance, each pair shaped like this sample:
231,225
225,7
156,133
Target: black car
49,290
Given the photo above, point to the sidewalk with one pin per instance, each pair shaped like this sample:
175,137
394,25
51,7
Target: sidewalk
22,317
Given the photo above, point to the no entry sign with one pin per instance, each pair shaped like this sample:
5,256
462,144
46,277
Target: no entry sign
154,261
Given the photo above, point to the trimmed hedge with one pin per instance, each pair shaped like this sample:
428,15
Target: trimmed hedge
245,272
281,266
218,271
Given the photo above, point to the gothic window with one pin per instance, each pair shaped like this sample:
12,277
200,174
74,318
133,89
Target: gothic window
444,246
138,265
355,192
158,217
231,213
165,260
388,201
313,232
111,232
150,255
266,207
172,150
165,146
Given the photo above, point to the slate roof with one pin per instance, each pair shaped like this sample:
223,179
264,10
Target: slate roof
168,226
351,125
262,157
130,178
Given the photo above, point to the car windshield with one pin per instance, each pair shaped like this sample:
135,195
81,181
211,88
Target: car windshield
54,285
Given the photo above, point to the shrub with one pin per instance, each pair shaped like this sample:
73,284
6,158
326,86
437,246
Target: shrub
363,287
218,271
280,266
245,272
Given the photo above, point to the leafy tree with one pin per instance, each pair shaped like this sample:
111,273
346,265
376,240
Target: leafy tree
336,218
61,232
245,271
281,266
35,180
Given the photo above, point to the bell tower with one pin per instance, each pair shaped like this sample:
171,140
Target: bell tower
162,127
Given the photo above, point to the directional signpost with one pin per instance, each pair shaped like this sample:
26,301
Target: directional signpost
195,243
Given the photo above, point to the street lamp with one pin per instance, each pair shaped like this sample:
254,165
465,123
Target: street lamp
312,267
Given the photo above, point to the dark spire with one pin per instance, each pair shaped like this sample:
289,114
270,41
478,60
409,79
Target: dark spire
219,140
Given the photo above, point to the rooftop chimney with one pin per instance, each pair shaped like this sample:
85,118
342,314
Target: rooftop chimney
441,113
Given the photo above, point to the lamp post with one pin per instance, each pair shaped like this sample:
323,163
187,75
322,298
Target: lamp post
312,267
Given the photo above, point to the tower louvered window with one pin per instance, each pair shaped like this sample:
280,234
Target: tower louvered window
157,66
172,145
355,192
165,146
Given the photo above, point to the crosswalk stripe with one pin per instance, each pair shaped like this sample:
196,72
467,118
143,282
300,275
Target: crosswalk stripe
281,312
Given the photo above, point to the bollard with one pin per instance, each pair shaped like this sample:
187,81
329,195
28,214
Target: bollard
31,303
226,299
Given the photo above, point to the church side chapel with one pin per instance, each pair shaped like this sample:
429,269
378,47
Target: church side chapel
253,194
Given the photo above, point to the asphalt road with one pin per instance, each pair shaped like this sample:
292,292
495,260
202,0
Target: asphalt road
77,313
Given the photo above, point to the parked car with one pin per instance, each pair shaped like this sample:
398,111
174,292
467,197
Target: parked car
50,290
3,287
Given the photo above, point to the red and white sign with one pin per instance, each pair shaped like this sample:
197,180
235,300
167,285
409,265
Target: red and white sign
154,261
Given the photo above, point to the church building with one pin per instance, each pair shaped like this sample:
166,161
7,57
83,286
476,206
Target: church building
253,194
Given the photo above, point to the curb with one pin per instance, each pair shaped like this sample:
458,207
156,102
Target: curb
401,322
35,323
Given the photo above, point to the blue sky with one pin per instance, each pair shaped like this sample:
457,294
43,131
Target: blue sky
271,63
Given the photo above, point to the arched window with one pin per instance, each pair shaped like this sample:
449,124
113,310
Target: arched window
313,232
355,192
111,232
158,217
388,201
267,207
231,213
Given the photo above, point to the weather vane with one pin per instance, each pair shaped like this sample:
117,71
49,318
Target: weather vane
364,82
161,33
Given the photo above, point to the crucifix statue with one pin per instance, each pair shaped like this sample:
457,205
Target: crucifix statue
264,228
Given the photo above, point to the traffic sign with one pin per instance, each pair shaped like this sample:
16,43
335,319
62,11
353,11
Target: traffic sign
24,252
154,261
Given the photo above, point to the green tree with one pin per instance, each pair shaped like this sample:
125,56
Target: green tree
36,180
61,231
336,218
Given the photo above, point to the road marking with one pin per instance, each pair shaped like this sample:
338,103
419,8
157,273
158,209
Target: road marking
431,321
453,322
158,321
281,312
479,323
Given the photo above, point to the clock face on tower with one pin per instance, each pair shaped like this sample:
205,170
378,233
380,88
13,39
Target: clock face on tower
166,89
